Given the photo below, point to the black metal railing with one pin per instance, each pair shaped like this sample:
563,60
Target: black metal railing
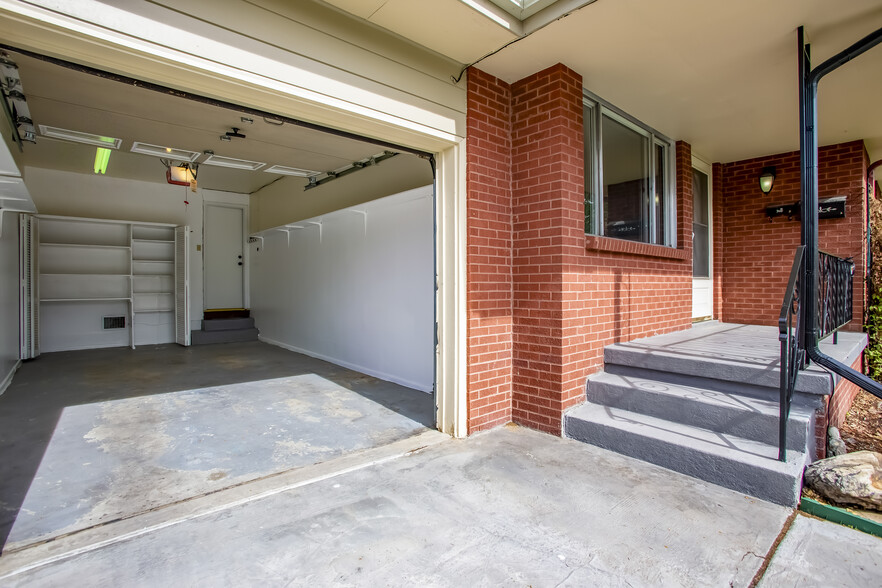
835,291
792,352
834,310
820,294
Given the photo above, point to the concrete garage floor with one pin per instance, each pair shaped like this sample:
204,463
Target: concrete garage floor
89,437
510,507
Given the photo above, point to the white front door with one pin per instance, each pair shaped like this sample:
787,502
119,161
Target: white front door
702,242
223,257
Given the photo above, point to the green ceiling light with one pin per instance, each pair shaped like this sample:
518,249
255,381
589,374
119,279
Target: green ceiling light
102,158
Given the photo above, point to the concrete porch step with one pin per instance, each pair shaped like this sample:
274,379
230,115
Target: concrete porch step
727,460
701,403
712,365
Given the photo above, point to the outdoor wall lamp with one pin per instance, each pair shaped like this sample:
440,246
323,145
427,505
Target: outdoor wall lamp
766,179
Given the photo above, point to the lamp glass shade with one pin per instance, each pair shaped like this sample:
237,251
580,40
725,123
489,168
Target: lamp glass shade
766,179
180,175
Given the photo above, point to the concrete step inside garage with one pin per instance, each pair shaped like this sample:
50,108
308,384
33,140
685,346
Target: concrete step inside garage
704,402
227,326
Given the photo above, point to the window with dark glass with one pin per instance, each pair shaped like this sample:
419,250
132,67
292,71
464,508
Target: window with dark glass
627,186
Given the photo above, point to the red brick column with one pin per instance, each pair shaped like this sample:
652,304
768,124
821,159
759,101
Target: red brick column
489,288
549,244
683,154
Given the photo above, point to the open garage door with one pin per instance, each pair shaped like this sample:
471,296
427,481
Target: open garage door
330,348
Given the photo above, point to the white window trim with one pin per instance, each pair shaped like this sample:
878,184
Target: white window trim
601,108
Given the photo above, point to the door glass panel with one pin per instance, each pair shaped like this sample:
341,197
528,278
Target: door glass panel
700,222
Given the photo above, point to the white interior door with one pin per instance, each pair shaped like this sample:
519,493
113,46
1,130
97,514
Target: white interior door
702,242
223,257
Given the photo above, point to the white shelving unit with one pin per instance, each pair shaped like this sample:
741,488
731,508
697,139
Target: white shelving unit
105,283
153,283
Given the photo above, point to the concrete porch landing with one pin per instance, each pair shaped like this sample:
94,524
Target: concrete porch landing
742,353
90,437
705,402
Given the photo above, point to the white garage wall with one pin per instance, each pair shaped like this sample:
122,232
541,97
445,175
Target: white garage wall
356,290
8,299
95,196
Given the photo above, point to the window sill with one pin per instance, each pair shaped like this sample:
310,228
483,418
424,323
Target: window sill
596,243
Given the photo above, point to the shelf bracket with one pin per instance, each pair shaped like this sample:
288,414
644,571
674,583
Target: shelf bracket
319,223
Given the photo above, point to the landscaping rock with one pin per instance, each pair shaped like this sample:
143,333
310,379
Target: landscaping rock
835,445
853,478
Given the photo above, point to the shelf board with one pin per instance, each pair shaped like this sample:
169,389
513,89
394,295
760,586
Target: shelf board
155,293
163,241
85,246
85,299
154,310
153,260
125,275
152,275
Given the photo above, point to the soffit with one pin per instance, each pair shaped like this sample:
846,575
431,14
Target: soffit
449,27
721,76
79,101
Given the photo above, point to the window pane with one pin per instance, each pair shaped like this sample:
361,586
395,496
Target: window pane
625,182
700,221
660,191
590,200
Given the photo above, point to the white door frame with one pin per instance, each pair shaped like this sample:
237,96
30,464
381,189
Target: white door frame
705,168
246,276
113,39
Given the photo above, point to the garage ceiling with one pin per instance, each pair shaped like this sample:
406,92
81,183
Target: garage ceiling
79,101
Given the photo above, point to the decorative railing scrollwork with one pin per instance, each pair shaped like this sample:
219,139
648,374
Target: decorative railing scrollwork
835,291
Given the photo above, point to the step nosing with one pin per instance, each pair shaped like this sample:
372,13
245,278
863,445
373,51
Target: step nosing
612,387
649,429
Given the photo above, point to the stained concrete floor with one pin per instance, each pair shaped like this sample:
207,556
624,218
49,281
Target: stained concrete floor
509,507
94,436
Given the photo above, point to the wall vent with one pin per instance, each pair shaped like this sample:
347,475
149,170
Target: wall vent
115,322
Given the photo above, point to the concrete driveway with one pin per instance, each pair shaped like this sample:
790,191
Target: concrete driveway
510,507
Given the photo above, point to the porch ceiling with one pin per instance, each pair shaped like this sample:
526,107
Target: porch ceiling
719,75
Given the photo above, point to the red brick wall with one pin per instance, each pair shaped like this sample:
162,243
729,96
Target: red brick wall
544,298
757,254
832,414
489,293
843,397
